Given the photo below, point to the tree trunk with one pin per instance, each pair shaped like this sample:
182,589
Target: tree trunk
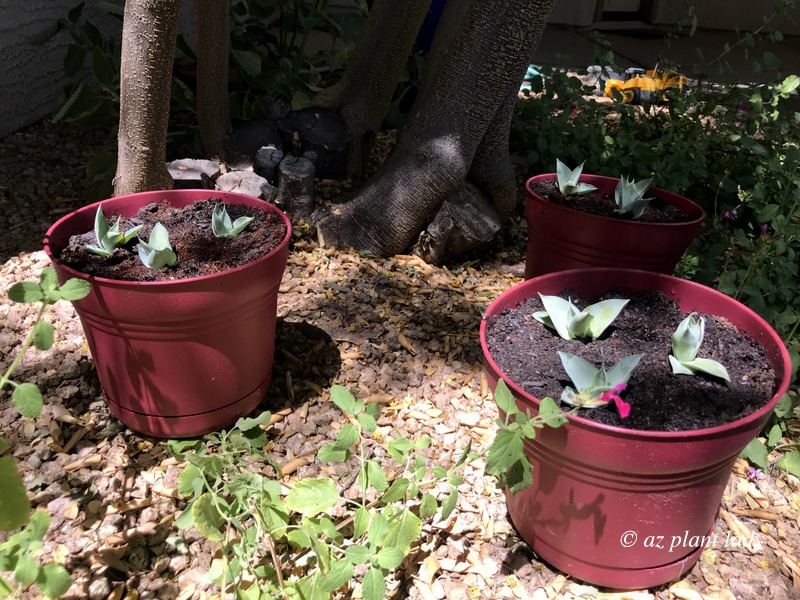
213,52
479,58
363,94
149,32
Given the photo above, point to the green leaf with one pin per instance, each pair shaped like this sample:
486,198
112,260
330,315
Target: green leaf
207,518
26,569
249,61
775,435
310,497
28,400
378,529
246,424
504,399
390,558
603,314
190,481
104,70
403,530
347,436
342,398
358,554
360,522
790,462
43,335
397,491
185,519
375,477
789,84
26,291
756,452
341,572
14,504
367,421
428,506
373,586
505,450
38,525
5,587
772,61
708,366
399,448
449,503
550,413
74,289
299,538
330,453
53,581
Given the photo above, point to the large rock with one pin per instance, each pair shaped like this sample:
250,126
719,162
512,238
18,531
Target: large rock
246,182
193,173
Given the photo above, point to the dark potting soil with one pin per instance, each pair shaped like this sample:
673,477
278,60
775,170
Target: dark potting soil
604,205
526,351
199,251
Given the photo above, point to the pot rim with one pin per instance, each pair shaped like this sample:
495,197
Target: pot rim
782,382
547,176
145,198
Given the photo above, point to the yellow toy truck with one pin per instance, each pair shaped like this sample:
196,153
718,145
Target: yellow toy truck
645,87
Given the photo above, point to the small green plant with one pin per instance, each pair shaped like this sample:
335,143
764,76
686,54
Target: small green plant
157,252
506,457
597,386
222,226
629,196
570,322
686,342
19,553
265,534
109,237
568,183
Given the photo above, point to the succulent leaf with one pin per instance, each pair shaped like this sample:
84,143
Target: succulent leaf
629,196
592,382
686,342
108,236
222,226
568,183
157,252
570,322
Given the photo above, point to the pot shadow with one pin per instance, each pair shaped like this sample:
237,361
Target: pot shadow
307,361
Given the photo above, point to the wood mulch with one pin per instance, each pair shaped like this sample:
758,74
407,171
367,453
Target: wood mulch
395,331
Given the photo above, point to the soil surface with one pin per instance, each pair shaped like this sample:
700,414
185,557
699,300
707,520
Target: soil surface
398,332
527,352
199,251
604,205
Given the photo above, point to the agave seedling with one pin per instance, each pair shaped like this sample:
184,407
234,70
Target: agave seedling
568,182
157,252
223,227
629,195
109,237
686,342
570,322
597,387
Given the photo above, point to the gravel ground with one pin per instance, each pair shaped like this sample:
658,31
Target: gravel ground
397,331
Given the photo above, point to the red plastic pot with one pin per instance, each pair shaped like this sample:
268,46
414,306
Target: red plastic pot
179,358
561,238
604,497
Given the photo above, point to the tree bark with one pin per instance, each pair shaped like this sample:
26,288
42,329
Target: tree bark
213,51
363,94
149,32
479,57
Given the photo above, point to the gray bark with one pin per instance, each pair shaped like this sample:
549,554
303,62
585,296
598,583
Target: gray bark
479,58
363,94
149,32
213,48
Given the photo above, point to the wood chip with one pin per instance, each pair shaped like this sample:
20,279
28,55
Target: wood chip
294,464
756,514
93,460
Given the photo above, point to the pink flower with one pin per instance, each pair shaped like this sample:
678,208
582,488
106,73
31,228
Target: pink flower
623,407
